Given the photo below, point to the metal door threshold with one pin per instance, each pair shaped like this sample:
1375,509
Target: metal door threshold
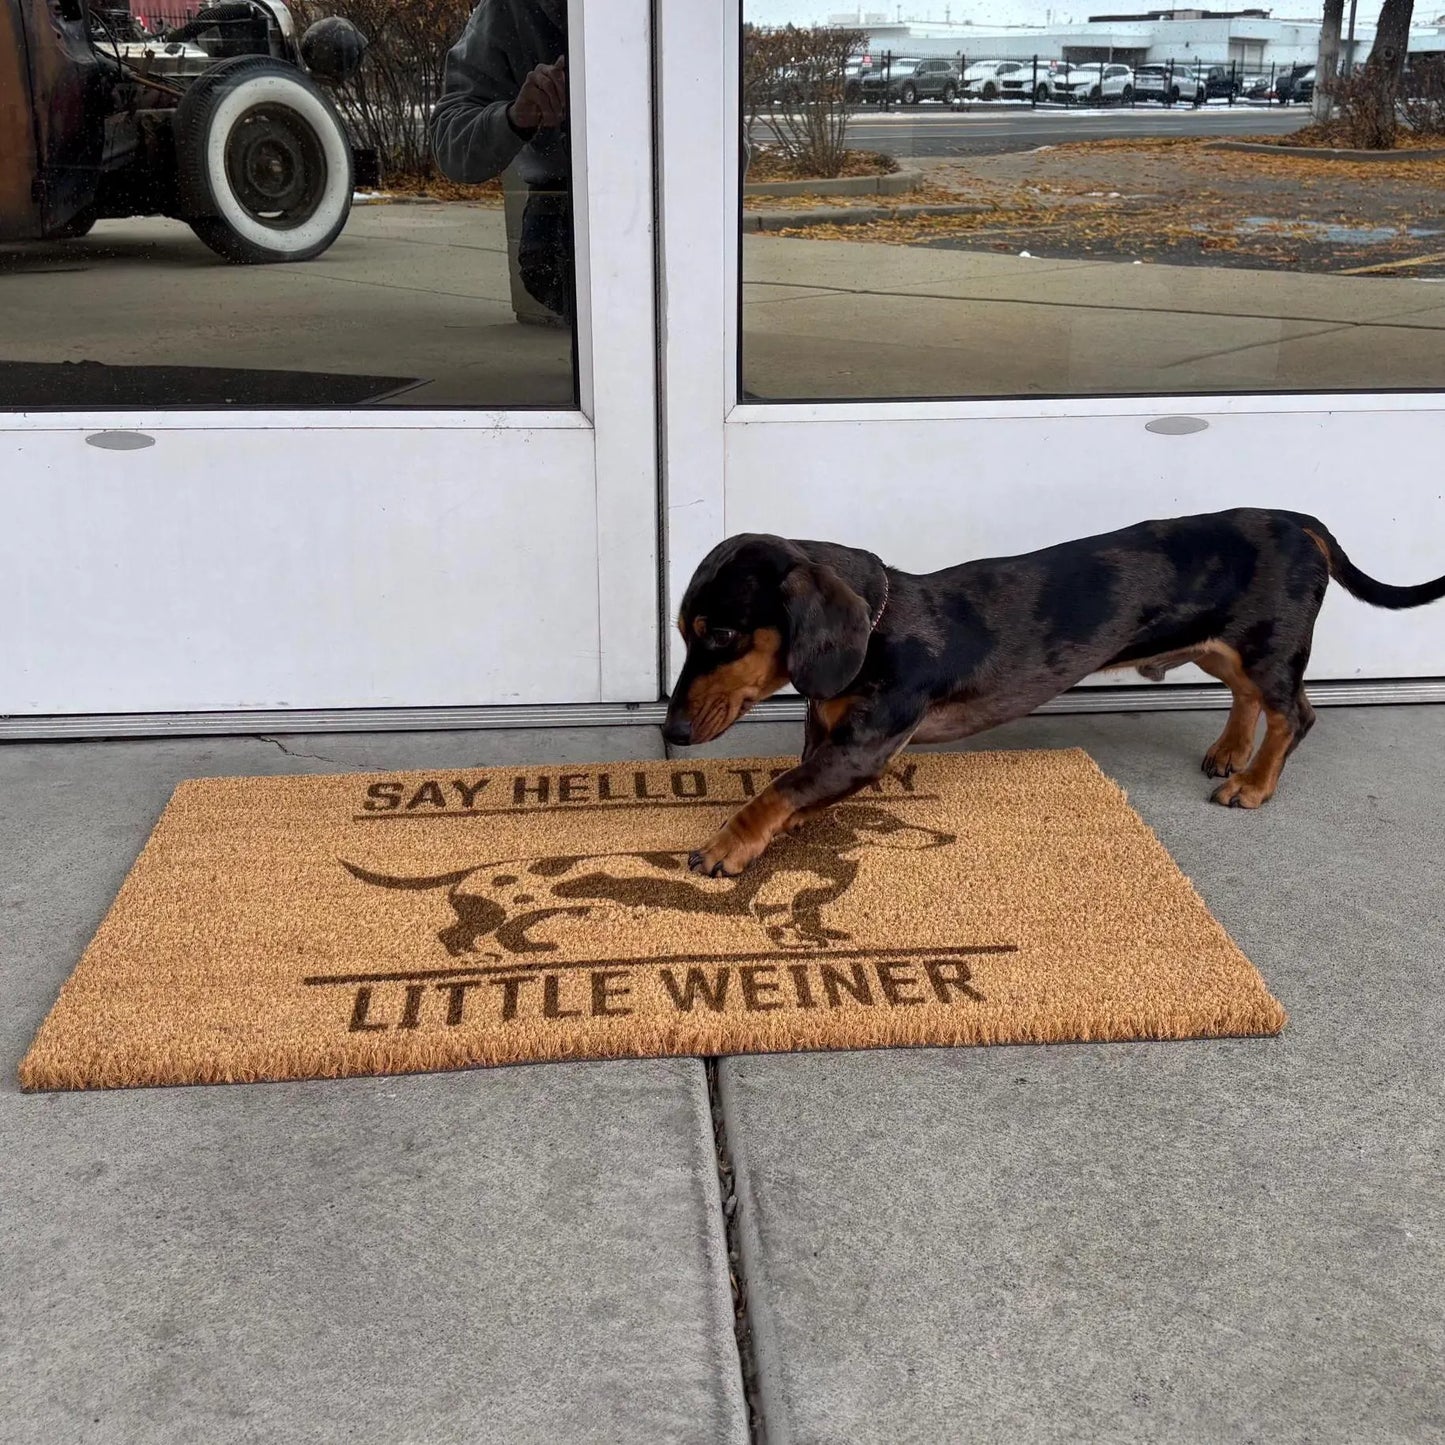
1165,697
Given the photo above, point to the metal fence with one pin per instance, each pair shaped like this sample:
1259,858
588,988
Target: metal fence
893,82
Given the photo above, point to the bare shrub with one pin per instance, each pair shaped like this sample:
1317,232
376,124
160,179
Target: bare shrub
1365,117
764,53
1422,103
793,83
388,103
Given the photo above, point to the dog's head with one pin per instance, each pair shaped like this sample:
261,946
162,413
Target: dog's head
761,612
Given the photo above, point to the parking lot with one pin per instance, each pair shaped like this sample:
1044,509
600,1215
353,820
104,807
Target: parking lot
984,129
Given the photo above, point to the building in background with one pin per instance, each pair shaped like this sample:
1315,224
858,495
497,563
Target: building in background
1250,39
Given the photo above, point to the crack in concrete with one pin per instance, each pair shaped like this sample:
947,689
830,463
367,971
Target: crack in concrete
347,763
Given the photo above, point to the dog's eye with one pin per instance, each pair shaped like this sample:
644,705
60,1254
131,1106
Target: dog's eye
721,636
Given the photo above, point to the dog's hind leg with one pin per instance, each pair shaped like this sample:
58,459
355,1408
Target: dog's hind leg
1288,716
1233,748
1306,719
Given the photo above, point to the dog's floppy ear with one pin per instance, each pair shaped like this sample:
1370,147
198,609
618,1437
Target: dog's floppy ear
828,629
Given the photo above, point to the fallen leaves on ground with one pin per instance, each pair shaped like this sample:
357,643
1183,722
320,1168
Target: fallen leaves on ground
1333,135
927,194
766,164
1172,199
403,185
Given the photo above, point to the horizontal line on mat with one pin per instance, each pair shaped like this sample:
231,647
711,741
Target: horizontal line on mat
790,956
520,810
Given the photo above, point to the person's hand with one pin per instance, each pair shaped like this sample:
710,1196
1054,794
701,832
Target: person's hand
542,100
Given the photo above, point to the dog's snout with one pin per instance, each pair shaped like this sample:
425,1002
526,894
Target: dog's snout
678,731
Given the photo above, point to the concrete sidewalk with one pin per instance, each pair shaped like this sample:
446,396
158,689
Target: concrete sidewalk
837,319
1200,1242
1225,1240
415,290
511,1255
422,292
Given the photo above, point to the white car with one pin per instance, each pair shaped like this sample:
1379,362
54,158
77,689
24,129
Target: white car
1168,86
984,81
1093,84
1026,83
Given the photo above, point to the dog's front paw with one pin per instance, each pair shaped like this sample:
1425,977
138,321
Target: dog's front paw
725,854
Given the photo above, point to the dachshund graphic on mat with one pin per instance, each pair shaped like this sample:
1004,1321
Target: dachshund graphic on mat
505,900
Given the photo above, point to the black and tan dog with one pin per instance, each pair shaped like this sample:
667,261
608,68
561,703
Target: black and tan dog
886,658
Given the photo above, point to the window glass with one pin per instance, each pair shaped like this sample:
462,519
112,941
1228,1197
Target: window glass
249,203
1133,204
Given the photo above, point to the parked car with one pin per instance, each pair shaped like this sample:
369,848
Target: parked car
911,81
853,73
984,80
1295,86
1256,87
227,131
1167,85
1027,84
1221,82
1093,84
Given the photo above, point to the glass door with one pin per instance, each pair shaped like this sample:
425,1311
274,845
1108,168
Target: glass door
292,417
991,322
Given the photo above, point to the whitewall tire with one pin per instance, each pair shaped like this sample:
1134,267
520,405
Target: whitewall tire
264,162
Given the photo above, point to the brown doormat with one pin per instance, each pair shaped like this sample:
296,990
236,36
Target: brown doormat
314,927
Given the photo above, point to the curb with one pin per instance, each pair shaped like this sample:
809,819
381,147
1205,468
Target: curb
1324,153
893,184
849,215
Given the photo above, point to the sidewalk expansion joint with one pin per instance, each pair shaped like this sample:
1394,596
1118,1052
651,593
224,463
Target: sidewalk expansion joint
731,1207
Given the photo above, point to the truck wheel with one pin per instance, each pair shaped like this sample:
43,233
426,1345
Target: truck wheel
264,165
77,226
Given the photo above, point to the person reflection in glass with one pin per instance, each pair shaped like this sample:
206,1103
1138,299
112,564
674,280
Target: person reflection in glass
504,99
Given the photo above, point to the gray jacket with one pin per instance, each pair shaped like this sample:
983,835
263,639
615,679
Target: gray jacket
471,137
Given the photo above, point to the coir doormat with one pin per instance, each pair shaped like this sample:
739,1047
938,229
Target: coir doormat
315,927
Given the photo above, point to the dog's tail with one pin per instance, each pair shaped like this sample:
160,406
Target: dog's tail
1358,584
382,880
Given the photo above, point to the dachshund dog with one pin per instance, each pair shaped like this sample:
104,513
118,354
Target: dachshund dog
885,657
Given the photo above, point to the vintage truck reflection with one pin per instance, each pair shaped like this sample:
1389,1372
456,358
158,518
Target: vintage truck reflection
219,122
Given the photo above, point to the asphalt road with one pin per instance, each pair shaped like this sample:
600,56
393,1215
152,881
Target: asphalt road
933,131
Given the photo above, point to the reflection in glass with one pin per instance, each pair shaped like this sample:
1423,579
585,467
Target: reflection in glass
239,204
1081,209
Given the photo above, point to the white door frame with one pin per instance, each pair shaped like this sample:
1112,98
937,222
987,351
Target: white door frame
733,466
330,568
